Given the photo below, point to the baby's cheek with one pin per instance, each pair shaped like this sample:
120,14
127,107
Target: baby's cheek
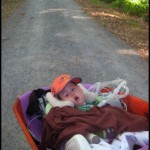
81,95
70,99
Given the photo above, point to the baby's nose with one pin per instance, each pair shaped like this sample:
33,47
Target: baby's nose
72,94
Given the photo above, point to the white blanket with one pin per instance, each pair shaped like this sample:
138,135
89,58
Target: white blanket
125,141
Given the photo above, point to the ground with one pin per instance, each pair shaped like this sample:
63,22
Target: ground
131,29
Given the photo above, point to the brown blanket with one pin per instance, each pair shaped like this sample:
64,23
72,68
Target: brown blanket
60,124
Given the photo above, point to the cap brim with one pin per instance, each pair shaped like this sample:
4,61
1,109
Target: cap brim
76,80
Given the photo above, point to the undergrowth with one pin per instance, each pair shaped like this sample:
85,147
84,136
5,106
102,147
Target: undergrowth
138,8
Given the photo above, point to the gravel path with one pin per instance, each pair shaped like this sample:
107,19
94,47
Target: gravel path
45,38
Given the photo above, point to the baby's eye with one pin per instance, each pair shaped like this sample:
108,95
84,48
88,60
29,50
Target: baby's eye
66,95
73,89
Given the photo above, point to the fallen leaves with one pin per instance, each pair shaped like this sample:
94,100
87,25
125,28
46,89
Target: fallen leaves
131,29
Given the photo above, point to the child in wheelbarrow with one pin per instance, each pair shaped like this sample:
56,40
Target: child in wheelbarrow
68,91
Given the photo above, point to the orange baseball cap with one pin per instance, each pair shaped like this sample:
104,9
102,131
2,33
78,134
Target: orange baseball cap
61,81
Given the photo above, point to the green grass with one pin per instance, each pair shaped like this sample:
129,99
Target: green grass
133,24
96,2
138,8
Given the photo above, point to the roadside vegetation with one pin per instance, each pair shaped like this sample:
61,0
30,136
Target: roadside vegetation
128,19
138,8
8,7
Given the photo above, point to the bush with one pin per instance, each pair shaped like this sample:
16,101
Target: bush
134,7
108,1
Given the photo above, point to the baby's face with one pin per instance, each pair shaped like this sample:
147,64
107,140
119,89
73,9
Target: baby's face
73,93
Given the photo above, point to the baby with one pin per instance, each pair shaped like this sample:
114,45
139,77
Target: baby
67,91
65,88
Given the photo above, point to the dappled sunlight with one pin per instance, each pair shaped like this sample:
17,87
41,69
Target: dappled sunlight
134,1
61,34
57,10
65,11
80,17
142,52
104,14
52,10
127,52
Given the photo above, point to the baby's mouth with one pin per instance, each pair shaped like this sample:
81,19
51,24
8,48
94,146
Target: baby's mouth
76,99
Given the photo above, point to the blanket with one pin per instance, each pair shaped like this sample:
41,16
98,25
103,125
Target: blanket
60,124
